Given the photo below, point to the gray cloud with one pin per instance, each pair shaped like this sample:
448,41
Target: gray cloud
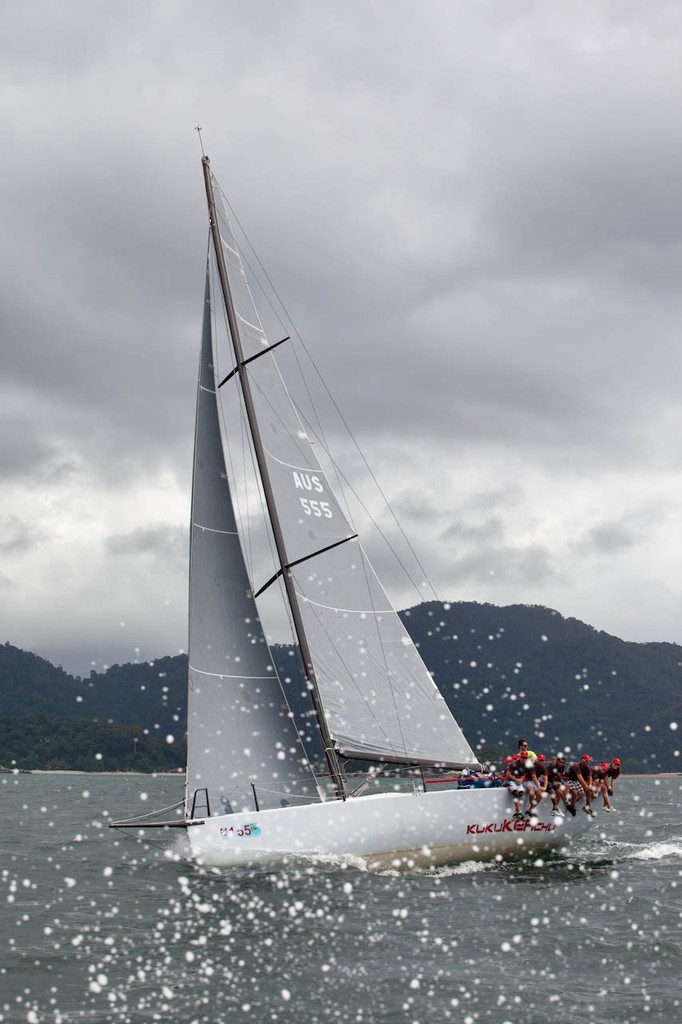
164,541
17,536
472,219
611,537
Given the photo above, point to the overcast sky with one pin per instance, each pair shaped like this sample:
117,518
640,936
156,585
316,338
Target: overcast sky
472,211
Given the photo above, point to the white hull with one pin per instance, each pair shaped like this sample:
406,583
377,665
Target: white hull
387,830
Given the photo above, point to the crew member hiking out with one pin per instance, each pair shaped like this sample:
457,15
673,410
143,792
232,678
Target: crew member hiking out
600,784
575,789
614,772
531,784
583,773
515,770
557,786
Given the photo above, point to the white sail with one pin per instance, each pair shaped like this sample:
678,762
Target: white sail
252,798
379,699
239,728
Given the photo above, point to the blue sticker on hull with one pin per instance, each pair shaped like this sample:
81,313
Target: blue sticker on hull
240,831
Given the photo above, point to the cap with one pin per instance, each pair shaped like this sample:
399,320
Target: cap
508,759
541,757
515,757
603,766
616,760
561,757
586,757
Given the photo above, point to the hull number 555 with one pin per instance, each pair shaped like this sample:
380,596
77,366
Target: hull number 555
240,832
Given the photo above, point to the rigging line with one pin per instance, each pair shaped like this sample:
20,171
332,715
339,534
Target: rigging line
241,491
378,722
266,295
394,699
266,479
303,448
342,477
245,518
334,403
234,489
250,359
254,477
380,642
304,445
150,814
242,499
153,844
365,566
382,648
304,558
208,293
374,479
262,352
354,683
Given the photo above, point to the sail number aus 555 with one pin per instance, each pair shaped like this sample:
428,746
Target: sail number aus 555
312,507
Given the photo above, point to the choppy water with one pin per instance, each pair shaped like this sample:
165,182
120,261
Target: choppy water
96,927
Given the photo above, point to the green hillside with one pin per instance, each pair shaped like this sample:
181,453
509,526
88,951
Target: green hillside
504,672
523,670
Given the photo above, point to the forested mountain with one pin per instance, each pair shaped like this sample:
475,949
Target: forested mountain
504,672
526,670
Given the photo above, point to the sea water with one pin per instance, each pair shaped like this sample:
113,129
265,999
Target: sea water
97,926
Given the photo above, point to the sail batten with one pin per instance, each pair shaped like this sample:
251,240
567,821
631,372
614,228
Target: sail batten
224,675
210,529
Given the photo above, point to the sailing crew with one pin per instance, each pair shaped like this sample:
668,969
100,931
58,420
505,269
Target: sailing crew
557,786
528,773
614,772
531,786
515,770
524,751
581,772
574,786
600,783
541,775
531,779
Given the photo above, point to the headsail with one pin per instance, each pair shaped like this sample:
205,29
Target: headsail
239,729
380,702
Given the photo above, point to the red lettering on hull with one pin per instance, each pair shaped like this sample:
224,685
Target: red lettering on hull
510,825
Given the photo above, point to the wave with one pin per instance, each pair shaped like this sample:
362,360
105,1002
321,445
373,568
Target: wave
663,850
467,867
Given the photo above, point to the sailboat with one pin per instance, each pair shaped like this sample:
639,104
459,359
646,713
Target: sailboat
252,793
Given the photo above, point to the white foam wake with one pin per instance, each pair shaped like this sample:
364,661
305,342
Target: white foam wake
670,849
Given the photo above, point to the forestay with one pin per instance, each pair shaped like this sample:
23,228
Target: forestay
239,729
379,699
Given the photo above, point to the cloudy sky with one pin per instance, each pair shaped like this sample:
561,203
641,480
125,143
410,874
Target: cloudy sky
472,211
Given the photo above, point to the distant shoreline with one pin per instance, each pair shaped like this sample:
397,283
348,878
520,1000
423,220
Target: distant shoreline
73,771
179,773
650,775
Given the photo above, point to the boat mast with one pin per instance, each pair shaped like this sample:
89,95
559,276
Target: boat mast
330,752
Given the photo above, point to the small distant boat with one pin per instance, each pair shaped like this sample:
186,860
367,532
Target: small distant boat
252,795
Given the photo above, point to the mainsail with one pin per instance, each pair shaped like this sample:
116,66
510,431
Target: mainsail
239,728
380,702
